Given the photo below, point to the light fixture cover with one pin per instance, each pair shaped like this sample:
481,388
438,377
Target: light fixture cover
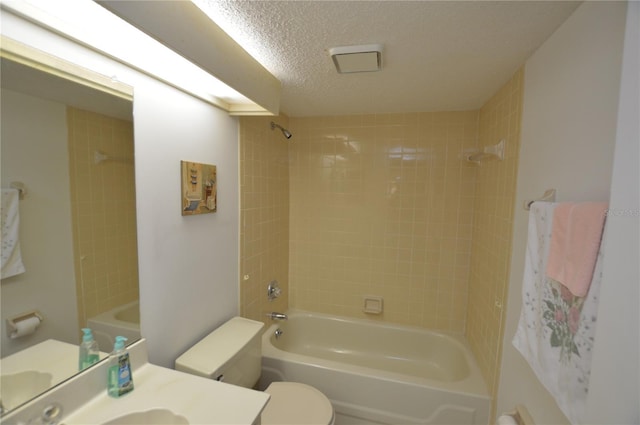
363,58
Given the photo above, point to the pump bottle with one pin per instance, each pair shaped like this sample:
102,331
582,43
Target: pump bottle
89,351
120,380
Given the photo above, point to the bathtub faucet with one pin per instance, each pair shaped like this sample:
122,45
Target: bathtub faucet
277,316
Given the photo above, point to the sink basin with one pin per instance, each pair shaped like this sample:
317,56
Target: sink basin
17,388
149,417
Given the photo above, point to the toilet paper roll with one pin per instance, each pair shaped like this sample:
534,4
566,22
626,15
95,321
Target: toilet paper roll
506,420
25,327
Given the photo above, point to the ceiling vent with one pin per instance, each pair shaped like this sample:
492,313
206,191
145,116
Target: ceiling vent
364,58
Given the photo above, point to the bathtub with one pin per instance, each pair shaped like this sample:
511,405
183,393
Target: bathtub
376,373
120,321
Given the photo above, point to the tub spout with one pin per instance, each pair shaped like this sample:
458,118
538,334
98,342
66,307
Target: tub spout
277,316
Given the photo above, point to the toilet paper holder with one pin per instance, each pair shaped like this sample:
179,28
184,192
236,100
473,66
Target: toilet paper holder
12,322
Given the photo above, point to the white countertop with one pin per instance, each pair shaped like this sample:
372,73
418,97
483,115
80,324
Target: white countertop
199,400
56,358
84,398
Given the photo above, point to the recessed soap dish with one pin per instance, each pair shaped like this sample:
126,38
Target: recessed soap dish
372,304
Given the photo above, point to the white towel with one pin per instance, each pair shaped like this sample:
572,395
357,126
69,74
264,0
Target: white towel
11,257
556,329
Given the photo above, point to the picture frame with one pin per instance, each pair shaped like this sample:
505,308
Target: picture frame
199,188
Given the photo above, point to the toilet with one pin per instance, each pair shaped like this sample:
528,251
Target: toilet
233,354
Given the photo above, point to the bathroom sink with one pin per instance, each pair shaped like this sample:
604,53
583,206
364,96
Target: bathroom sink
150,417
17,388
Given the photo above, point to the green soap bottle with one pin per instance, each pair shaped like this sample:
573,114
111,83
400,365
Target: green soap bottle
120,379
89,351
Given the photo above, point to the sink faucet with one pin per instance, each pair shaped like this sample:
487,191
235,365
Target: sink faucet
51,414
277,316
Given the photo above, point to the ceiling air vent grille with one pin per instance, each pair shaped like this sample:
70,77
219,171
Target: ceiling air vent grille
363,58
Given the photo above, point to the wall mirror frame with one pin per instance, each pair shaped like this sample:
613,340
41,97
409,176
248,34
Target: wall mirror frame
94,110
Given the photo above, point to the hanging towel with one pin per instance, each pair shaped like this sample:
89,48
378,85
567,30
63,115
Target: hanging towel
11,257
556,329
575,240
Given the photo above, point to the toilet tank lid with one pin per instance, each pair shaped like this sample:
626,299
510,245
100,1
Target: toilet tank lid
210,354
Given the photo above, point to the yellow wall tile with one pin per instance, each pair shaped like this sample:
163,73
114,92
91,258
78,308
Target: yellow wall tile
379,195
103,212
264,215
492,228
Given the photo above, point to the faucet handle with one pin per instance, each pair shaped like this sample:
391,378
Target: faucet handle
273,290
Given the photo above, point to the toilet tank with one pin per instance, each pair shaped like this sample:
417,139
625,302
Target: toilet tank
232,353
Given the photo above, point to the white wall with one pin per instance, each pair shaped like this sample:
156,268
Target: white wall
189,270
615,373
188,265
34,151
568,134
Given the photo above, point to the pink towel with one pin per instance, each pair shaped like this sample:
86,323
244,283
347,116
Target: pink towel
575,240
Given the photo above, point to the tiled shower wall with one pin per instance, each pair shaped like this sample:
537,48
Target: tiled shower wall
264,215
103,209
383,205
492,228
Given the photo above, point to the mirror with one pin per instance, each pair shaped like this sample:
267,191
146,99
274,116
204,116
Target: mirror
67,141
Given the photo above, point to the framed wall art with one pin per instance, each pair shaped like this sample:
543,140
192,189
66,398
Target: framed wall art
199,188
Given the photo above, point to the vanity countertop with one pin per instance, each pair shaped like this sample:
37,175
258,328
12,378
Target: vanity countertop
55,357
84,399
55,361
199,400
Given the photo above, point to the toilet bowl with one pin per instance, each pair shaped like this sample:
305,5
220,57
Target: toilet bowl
293,403
233,354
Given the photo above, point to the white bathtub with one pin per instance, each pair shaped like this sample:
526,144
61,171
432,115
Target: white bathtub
377,373
120,321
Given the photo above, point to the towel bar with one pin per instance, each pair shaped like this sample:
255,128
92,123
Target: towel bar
549,196
21,188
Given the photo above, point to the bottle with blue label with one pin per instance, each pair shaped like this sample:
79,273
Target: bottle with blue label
89,351
120,380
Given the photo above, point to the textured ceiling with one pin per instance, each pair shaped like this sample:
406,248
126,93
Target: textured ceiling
438,55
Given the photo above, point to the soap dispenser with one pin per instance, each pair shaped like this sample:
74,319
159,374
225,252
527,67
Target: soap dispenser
120,380
89,351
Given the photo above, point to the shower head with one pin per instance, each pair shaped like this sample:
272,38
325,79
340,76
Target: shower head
286,132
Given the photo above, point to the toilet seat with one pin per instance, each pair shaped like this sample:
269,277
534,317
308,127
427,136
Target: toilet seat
293,403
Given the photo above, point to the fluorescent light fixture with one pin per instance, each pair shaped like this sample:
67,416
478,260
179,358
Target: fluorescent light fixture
92,25
363,58
186,29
